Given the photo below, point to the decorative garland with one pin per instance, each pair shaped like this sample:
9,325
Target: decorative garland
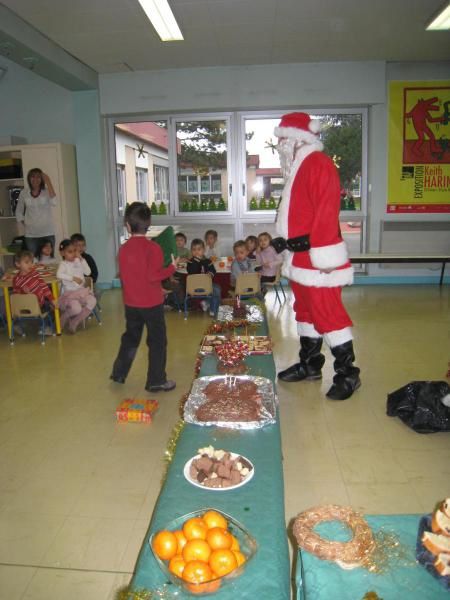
171,447
143,594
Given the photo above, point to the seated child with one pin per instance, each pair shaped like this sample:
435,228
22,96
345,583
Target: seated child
28,281
45,254
180,241
76,301
212,248
251,242
241,262
199,264
267,258
79,241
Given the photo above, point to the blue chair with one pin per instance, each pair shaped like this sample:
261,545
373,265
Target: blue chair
198,287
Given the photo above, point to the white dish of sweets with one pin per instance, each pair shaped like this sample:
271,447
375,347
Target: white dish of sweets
218,470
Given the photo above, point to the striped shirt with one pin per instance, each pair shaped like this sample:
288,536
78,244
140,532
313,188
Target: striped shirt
32,283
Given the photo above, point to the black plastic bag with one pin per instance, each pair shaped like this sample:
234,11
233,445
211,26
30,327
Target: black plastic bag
419,405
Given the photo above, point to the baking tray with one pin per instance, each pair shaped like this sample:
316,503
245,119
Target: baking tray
257,344
265,389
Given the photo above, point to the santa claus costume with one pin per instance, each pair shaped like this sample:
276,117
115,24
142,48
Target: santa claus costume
315,255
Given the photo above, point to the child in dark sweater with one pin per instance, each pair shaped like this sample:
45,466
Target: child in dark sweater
199,264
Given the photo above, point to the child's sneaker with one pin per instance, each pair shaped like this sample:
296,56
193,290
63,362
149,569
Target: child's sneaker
164,387
204,305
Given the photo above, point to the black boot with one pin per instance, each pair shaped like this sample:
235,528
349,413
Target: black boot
311,362
346,380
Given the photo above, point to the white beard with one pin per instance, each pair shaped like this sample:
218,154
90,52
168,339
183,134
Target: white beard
287,149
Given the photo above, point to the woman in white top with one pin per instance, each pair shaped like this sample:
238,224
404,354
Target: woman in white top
34,209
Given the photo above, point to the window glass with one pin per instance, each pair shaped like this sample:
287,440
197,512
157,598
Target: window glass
142,156
341,136
202,161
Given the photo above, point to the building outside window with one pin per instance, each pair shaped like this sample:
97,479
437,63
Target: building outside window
121,188
141,185
161,183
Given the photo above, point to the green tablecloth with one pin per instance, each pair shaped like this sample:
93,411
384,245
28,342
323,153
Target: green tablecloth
259,505
322,580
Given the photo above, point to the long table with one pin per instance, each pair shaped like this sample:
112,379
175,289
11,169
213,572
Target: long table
258,505
322,580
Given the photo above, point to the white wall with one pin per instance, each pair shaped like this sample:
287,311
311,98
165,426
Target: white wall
33,107
306,85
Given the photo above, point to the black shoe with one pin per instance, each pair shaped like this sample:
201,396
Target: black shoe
311,362
117,379
300,372
164,387
346,381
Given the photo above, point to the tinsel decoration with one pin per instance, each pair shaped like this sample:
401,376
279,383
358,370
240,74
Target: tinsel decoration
371,596
389,552
171,447
448,372
183,401
198,365
142,594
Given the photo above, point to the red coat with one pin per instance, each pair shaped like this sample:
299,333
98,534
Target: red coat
310,206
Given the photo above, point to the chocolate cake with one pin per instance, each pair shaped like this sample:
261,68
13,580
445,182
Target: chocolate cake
239,401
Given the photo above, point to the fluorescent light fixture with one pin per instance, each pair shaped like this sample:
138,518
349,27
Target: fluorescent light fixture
162,19
441,20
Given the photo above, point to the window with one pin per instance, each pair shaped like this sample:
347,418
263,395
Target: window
202,164
161,184
121,189
141,185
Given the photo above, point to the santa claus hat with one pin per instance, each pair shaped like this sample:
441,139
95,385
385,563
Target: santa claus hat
299,126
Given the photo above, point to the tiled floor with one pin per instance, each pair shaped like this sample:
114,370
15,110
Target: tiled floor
77,490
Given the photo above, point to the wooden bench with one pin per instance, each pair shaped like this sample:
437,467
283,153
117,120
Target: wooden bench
402,258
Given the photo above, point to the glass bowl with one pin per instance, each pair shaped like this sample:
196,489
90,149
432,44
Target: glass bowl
247,543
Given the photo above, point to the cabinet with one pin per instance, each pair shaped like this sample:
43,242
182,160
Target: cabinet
59,162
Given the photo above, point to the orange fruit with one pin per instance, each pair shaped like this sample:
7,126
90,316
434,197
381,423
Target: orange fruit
204,588
165,545
235,544
222,562
195,529
239,557
181,540
219,538
197,571
214,519
196,550
176,565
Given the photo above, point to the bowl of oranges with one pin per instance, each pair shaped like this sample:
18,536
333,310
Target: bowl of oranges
203,550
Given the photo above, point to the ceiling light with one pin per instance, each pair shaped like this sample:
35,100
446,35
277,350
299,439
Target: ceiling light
162,19
441,20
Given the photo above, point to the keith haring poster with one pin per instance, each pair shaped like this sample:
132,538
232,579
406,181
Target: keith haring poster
419,147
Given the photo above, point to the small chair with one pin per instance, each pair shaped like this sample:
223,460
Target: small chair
89,283
248,285
275,284
26,306
197,286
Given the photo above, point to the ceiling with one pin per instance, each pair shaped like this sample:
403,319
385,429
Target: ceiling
114,35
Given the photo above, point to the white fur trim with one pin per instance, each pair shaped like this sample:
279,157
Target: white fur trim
338,337
446,400
315,125
329,257
296,134
307,330
283,210
314,277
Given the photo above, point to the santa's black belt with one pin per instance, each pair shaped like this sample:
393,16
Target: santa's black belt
297,244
